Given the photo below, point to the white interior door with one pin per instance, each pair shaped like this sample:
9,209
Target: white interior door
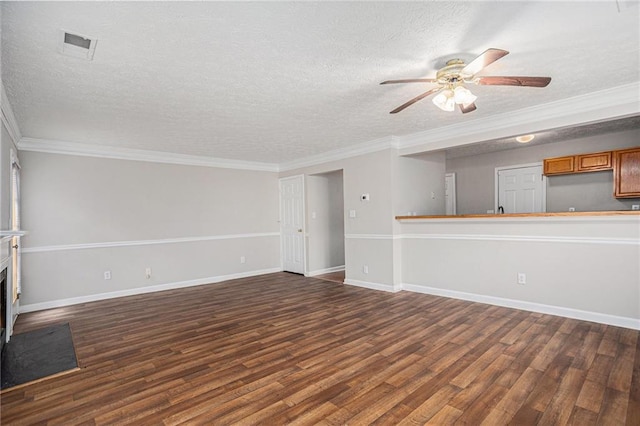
521,190
292,223
450,193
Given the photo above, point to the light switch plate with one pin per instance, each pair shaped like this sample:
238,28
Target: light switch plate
352,213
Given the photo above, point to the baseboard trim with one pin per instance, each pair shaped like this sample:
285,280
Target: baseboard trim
625,322
372,286
324,271
141,290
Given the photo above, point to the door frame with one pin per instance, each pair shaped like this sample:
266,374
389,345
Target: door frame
518,166
304,221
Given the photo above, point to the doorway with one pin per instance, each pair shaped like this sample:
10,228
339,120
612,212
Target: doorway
292,224
520,189
325,230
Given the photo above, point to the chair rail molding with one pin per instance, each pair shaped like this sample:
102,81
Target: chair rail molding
109,244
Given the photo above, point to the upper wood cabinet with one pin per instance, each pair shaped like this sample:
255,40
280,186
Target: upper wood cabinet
594,162
626,173
559,165
591,162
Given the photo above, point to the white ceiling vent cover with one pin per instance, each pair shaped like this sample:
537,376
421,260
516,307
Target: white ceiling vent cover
76,45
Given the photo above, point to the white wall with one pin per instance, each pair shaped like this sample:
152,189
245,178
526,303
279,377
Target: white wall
368,236
585,191
188,224
396,185
581,267
325,219
419,184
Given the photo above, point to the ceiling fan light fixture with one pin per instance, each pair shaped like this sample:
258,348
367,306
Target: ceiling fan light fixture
445,100
525,138
450,79
462,95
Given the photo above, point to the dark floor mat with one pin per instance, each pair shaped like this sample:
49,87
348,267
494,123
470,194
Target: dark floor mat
37,354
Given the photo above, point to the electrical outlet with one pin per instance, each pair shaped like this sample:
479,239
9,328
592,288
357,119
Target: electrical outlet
107,275
364,197
522,278
635,206
243,259
572,209
365,269
352,213
147,272
491,211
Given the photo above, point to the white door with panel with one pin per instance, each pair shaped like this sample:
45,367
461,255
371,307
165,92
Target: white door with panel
292,223
521,190
450,193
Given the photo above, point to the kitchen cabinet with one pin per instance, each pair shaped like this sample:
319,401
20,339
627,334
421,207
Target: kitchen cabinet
581,163
559,165
626,173
594,162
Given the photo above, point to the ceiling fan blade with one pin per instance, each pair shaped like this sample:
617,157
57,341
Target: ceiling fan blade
414,100
411,80
465,108
488,57
513,81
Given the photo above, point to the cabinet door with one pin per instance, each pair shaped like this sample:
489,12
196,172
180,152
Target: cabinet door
626,173
594,162
559,165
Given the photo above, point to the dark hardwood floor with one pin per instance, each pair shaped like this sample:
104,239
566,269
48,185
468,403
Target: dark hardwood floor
284,349
336,277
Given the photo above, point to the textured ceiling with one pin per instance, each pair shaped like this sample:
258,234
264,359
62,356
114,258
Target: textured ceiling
548,136
275,82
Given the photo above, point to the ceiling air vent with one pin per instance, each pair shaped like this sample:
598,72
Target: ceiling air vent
76,45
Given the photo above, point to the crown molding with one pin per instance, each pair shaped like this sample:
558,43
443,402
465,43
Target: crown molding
8,118
376,145
85,150
592,107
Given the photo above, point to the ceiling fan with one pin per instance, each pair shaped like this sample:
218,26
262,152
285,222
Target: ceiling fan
455,74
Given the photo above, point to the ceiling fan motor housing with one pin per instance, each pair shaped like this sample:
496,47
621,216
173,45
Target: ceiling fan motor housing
451,74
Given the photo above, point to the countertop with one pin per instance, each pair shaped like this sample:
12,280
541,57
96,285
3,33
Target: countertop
525,215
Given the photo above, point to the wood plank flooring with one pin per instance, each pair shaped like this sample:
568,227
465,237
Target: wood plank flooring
285,349
336,277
